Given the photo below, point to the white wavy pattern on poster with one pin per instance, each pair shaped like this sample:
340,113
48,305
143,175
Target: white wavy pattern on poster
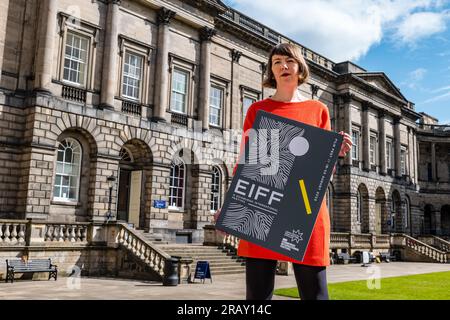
250,222
253,171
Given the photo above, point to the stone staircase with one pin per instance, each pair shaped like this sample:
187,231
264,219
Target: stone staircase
415,250
221,261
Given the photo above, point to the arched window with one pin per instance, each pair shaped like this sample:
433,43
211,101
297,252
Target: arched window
359,206
177,183
68,164
216,189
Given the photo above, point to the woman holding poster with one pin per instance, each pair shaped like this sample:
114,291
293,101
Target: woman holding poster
286,71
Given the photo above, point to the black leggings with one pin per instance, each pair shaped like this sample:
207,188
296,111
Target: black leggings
260,280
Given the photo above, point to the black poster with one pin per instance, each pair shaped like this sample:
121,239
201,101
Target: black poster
281,179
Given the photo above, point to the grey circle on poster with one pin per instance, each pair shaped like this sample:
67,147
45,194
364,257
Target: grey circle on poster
299,146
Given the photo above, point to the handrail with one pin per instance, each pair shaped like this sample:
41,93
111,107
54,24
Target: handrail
153,257
424,249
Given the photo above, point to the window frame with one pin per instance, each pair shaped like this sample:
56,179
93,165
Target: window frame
219,191
403,160
222,89
78,175
373,154
189,67
356,143
144,51
81,28
170,206
389,153
249,93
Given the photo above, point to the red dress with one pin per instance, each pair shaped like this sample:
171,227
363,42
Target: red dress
314,113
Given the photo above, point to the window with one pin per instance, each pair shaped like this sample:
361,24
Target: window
132,75
247,102
389,153
403,161
177,183
355,147
178,99
75,59
358,206
68,166
215,106
373,148
216,189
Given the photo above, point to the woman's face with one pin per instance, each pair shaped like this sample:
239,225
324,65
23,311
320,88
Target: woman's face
285,70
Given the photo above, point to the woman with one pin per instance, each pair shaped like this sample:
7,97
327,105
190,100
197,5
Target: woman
286,71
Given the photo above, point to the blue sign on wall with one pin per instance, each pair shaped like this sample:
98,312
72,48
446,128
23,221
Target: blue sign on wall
160,204
202,271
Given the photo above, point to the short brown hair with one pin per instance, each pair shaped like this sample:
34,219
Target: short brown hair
290,50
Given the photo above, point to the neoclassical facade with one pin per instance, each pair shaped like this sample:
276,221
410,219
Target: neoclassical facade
133,110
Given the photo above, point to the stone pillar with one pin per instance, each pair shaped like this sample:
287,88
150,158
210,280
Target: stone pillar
201,196
46,40
162,65
437,214
398,147
366,136
3,23
236,103
98,195
109,75
205,35
433,162
382,144
347,109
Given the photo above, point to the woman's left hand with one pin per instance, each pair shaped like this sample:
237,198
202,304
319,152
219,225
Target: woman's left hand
346,144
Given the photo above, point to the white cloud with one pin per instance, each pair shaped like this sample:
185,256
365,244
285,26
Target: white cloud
420,25
441,89
346,29
414,78
444,96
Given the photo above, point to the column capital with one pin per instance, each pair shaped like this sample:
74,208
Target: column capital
397,119
164,16
263,67
118,2
366,105
381,113
207,33
235,55
314,89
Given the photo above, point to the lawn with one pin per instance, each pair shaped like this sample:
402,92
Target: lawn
429,286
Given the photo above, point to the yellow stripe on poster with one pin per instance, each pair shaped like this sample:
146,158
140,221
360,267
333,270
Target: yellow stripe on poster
305,196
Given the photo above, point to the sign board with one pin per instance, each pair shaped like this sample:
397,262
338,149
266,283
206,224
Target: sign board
278,187
202,271
160,204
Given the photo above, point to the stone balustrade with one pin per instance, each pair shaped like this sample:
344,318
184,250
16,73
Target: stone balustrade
12,232
55,232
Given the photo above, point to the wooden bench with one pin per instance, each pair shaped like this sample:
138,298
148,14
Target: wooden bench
386,256
345,258
35,265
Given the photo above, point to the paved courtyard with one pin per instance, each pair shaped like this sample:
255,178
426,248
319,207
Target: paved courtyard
226,287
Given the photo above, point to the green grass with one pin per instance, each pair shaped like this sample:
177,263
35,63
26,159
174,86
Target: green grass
429,286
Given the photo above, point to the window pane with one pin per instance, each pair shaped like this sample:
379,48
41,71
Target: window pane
75,60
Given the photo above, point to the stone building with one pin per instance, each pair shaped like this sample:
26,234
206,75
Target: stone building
114,108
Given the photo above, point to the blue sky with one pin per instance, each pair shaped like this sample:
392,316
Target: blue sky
409,40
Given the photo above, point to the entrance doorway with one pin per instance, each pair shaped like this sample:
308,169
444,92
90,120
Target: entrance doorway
129,197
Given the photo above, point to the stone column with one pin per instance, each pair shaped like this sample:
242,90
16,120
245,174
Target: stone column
366,136
236,102
162,65
3,23
433,161
382,144
109,74
205,35
201,196
46,39
398,147
347,109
